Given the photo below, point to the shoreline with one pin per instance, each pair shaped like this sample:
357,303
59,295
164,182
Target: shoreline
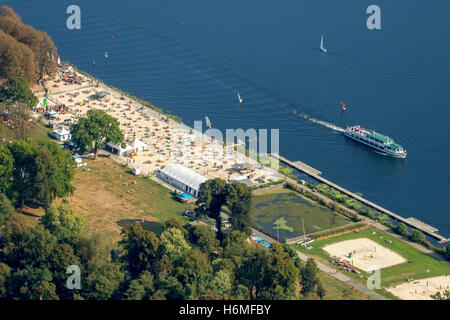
167,139
176,121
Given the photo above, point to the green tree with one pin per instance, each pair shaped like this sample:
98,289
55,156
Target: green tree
6,168
169,288
30,247
194,272
240,292
141,288
320,290
62,222
62,257
95,130
16,89
203,237
239,197
6,210
211,197
45,184
173,223
33,284
5,273
309,279
222,282
65,173
417,236
402,230
141,248
280,272
102,281
24,172
236,248
174,244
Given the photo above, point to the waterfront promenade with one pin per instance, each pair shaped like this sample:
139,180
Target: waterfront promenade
410,222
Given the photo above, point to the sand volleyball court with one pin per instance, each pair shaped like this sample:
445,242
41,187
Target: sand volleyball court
364,254
421,289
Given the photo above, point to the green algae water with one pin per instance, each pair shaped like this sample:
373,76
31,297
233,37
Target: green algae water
281,212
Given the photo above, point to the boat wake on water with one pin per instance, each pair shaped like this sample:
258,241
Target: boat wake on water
321,122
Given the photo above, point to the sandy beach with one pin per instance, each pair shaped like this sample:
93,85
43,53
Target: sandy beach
166,140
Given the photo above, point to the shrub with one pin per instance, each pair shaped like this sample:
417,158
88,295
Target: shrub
402,230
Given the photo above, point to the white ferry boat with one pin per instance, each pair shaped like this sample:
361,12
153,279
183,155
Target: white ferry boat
376,140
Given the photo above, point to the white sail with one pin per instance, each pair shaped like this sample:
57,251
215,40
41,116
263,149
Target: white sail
321,45
208,123
239,97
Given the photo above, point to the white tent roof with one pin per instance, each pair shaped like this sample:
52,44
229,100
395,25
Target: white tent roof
184,175
62,131
136,143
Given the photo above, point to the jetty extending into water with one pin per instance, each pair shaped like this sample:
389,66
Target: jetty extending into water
412,222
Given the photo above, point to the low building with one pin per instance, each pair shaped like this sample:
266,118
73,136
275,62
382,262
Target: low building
118,149
182,178
243,179
51,114
138,146
62,134
103,96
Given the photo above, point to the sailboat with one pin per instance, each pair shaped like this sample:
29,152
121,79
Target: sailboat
343,106
208,123
322,49
239,98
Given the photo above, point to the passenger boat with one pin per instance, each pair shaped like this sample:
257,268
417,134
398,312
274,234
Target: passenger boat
376,141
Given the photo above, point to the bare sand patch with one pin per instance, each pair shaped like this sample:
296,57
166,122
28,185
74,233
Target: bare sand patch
421,289
364,254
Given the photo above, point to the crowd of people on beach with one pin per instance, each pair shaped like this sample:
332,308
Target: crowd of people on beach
166,141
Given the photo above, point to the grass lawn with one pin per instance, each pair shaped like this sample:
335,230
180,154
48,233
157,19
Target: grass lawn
281,211
40,132
415,267
334,289
110,197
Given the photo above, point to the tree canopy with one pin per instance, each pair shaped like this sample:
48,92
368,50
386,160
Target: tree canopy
16,89
43,50
94,131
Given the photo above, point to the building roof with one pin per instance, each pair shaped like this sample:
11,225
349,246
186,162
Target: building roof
102,94
118,146
382,138
244,180
136,143
62,131
184,175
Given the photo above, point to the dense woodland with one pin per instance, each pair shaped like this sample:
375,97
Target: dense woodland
24,51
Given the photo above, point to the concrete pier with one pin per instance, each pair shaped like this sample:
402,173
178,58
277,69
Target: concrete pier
410,222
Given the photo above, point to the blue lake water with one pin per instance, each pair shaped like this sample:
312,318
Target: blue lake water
190,57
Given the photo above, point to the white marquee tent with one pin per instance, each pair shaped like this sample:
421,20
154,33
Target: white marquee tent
183,178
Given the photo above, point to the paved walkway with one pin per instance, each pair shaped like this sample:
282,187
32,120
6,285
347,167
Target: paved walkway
328,270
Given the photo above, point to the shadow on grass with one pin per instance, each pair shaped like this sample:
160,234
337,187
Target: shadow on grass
29,214
154,226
